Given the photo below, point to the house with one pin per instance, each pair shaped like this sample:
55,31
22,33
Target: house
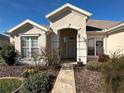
4,39
70,30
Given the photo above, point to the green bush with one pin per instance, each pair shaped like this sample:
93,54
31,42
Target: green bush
94,66
2,61
8,54
37,83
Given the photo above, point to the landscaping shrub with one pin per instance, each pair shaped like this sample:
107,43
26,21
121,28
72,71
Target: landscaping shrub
2,61
103,58
113,73
37,83
94,66
8,54
112,70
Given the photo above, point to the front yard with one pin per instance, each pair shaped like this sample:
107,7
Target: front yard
36,79
9,85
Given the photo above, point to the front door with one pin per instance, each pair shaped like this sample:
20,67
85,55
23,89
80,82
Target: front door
69,47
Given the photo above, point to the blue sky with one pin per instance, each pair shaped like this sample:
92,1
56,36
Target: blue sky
13,12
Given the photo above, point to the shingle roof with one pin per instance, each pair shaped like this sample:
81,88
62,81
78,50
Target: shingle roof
102,24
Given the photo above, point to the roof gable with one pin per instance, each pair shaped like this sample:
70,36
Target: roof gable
71,7
25,22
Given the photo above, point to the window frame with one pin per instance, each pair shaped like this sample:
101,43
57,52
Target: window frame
92,47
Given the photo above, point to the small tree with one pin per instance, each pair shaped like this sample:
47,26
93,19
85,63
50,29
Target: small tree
51,56
8,54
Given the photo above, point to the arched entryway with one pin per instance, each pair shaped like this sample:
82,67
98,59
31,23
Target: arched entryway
68,44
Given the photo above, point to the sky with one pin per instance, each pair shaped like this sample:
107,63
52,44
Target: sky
12,12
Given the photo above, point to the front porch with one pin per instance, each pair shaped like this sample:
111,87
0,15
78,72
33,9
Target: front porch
67,44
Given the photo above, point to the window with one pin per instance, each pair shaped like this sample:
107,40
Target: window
99,47
91,47
29,45
95,46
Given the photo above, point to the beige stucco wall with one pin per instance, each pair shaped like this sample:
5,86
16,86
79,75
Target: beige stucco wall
28,30
115,41
75,20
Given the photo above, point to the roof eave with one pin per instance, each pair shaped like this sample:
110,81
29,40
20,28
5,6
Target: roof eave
24,22
70,6
96,32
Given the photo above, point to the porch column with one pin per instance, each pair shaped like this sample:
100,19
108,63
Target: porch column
82,47
58,44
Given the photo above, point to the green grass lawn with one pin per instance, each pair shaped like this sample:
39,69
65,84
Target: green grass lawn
9,85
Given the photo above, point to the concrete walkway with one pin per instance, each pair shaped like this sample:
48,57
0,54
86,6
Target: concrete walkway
65,82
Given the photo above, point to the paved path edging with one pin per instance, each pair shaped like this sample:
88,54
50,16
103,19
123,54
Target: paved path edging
18,78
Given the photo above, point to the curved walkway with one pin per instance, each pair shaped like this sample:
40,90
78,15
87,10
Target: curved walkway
65,82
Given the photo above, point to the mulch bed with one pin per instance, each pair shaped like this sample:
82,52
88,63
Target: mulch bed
87,81
16,71
11,71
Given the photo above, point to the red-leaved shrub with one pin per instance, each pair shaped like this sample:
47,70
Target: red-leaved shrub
103,58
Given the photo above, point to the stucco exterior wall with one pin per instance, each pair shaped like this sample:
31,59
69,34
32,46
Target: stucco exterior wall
115,42
69,19
75,20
